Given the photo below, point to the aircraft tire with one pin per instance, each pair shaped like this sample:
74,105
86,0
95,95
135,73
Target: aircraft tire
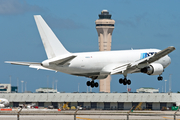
88,83
92,84
124,81
129,82
120,80
96,84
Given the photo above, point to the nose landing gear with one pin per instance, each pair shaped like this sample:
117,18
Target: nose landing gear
160,78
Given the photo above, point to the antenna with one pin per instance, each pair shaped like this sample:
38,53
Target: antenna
56,85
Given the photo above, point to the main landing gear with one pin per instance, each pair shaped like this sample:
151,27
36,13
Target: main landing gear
124,81
92,83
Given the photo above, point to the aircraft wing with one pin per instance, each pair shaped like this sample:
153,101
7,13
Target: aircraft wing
142,62
30,64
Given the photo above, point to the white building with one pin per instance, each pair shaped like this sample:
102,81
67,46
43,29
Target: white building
147,90
46,90
5,88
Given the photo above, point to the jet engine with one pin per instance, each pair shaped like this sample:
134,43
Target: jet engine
153,69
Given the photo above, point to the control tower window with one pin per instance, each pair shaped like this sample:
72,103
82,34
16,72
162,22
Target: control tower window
104,24
104,15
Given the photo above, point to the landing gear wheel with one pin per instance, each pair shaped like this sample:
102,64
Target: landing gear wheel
96,84
124,81
128,82
120,80
160,78
88,83
92,84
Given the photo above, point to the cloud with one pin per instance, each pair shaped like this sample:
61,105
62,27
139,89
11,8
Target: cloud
133,22
139,18
61,23
17,7
125,23
163,35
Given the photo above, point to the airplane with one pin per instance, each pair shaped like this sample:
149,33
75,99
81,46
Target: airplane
3,102
97,65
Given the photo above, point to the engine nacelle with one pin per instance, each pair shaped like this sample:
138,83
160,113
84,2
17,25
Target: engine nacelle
153,69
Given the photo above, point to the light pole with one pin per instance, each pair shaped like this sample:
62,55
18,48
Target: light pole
170,83
22,86
25,86
17,85
56,84
78,87
165,85
10,79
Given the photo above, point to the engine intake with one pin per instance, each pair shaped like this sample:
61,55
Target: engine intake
153,69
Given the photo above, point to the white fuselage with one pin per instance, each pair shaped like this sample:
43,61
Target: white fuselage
91,62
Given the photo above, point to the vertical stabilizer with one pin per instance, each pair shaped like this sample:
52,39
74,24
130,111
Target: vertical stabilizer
52,45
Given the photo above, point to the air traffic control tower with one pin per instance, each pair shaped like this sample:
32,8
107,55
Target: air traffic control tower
104,27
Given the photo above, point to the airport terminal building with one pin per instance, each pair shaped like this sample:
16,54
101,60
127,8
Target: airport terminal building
102,101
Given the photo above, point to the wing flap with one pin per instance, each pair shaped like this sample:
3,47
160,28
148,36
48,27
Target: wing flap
119,69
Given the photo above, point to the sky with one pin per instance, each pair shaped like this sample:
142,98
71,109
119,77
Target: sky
139,24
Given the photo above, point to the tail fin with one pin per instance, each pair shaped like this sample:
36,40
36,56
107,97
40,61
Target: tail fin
52,45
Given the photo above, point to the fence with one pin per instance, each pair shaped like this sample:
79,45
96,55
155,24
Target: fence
98,116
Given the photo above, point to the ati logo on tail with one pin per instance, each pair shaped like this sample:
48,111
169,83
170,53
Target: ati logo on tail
144,55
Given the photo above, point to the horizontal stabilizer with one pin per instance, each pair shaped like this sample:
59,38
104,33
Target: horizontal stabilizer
30,64
21,63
